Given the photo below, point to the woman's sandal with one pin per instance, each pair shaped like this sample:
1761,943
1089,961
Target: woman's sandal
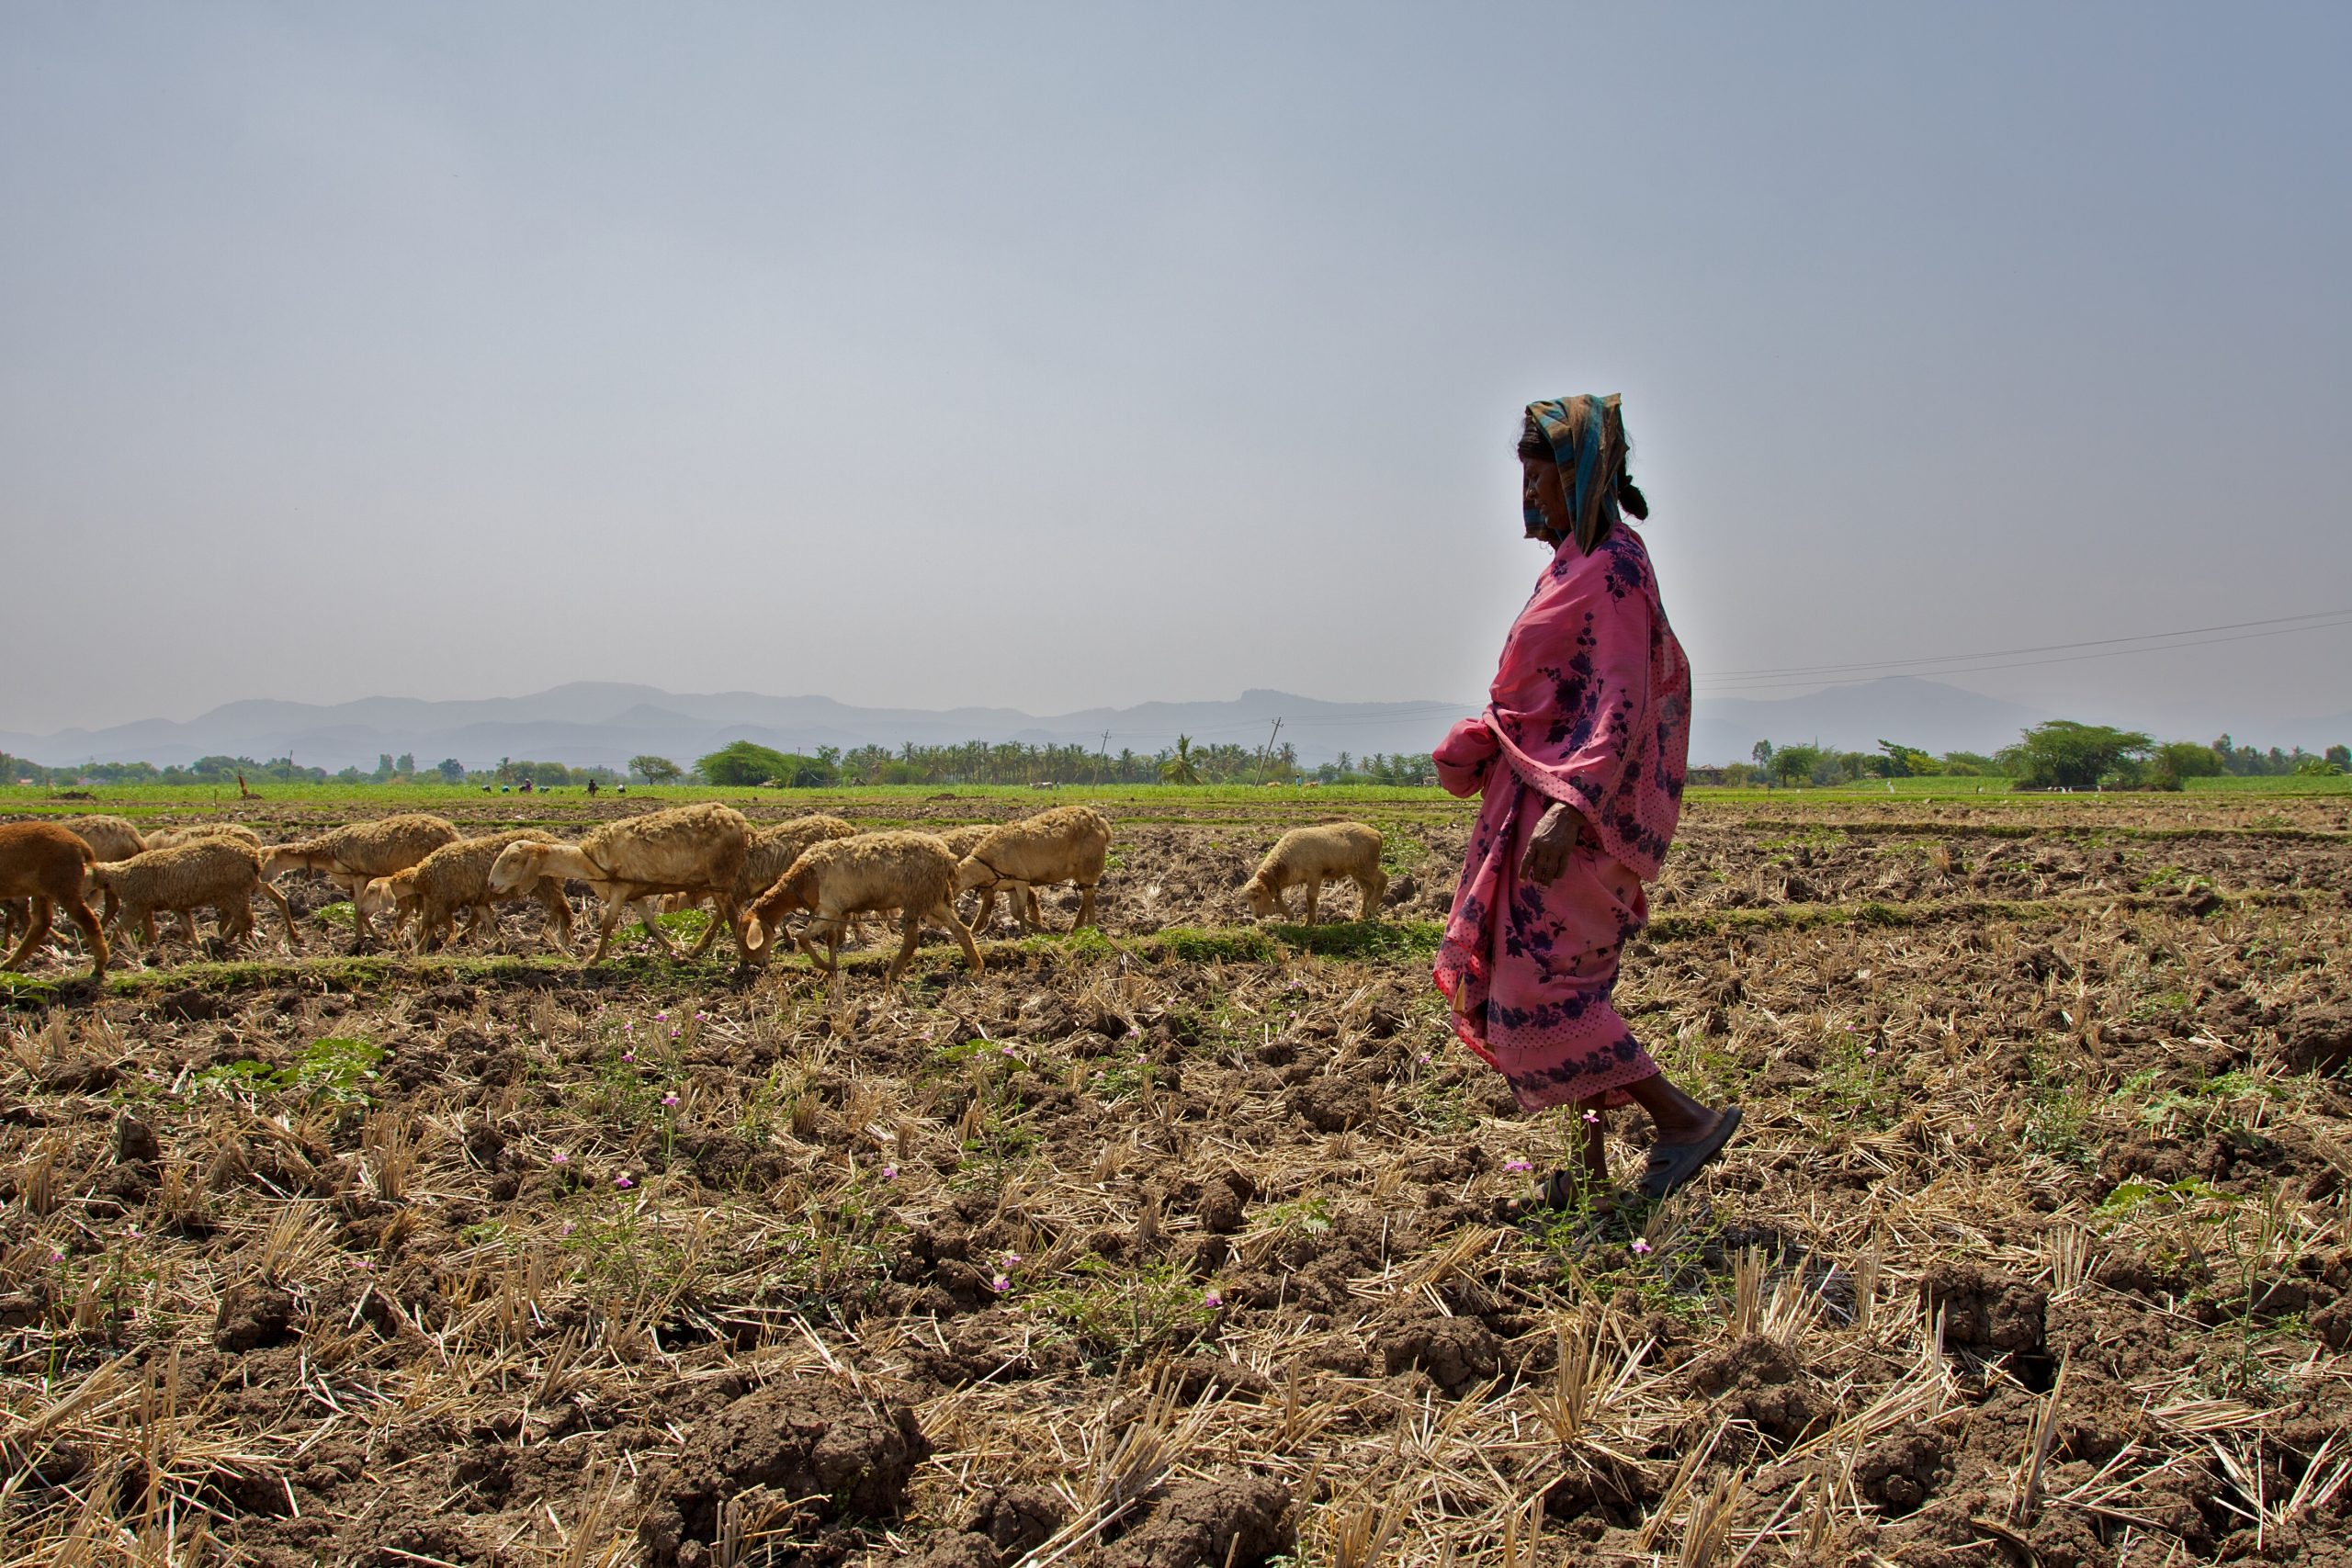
1671,1165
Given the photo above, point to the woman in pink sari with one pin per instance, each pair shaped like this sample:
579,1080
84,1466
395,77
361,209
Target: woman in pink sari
1580,756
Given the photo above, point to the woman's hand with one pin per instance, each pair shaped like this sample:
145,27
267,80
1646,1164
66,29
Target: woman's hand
1554,841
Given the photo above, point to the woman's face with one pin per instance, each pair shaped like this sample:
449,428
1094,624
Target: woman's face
1541,493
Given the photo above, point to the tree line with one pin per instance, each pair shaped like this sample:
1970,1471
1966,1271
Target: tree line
2062,754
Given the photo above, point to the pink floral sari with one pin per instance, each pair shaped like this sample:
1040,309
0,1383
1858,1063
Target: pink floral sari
1591,706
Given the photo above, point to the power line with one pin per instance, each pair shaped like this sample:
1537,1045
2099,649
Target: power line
1720,685
1797,669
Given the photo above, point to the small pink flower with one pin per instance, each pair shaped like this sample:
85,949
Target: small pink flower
1000,1284
1012,1257
889,1173
1424,1057
702,1018
629,1056
669,1099
628,1029
1515,1163
623,1181
363,1263
1007,1049
674,1032
1640,1246
567,1227
1593,1116
560,1159
1870,1050
1210,1298
57,1255
661,1018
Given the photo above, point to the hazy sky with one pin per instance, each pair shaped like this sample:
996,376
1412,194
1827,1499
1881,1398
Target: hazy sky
1048,356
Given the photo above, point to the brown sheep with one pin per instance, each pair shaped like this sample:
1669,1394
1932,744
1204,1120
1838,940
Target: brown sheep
841,877
46,864
696,850
1065,844
1313,856
350,857
222,873
454,877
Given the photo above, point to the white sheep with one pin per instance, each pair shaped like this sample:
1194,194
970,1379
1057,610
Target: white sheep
771,855
1313,856
166,838
110,838
696,850
455,877
352,857
221,872
1065,844
839,877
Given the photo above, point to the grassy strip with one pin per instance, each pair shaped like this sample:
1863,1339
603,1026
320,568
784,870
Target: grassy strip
1349,940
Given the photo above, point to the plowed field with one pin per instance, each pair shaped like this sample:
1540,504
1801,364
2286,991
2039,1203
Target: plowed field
1176,1242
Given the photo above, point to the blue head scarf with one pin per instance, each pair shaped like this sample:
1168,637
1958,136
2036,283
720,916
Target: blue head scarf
1586,436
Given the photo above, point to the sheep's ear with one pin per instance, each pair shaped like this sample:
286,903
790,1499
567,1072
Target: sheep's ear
755,936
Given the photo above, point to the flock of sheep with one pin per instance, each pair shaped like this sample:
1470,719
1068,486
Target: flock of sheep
418,870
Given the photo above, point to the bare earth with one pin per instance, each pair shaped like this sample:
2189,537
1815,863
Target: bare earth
1175,1245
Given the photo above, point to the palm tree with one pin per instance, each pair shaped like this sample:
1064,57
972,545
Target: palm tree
1179,768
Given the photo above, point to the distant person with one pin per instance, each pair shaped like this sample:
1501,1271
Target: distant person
592,789
620,789
1580,757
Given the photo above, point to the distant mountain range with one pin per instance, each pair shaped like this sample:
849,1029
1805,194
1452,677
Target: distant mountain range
584,724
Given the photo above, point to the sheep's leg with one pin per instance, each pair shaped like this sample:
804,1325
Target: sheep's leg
1033,914
92,934
945,916
360,930
606,923
829,959
286,913
1373,885
559,911
1313,890
726,915
653,924
911,933
34,935
985,916
1085,906
702,942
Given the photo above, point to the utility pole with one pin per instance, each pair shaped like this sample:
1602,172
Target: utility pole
1269,747
1102,756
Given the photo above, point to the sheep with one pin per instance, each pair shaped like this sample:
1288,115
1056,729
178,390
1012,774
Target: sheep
169,837
222,872
688,849
771,855
350,857
1314,855
960,842
110,838
839,877
46,864
1065,844
454,877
